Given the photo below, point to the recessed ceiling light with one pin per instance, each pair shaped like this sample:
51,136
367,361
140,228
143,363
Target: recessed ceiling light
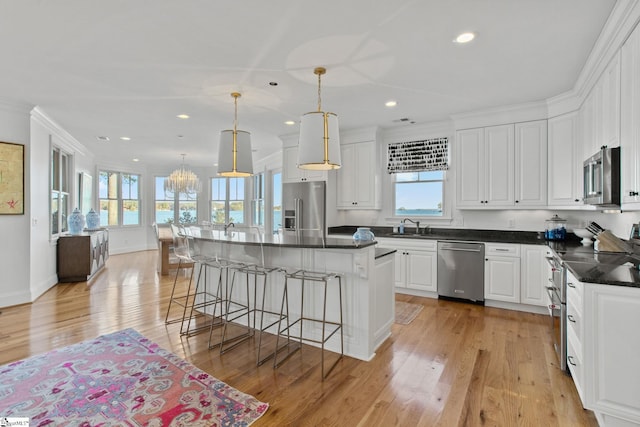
102,138
125,138
289,123
136,160
215,164
182,116
391,103
465,38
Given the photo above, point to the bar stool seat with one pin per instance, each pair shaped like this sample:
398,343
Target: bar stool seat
329,327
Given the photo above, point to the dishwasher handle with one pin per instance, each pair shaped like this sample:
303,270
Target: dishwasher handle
460,249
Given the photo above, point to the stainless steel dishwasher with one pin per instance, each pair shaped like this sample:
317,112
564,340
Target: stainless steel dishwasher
461,270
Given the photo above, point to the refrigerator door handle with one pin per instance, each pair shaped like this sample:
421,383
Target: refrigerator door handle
298,207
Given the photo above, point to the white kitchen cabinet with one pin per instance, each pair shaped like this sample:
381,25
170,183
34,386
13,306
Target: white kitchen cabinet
604,349
358,180
502,272
416,265
610,104
531,163
630,124
290,171
485,167
534,274
564,162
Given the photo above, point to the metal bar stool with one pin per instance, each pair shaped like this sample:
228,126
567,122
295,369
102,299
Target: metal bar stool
188,302
237,308
335,326
204,298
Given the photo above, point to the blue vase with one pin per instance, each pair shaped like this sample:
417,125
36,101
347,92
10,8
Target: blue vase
75,221
363,234
93,220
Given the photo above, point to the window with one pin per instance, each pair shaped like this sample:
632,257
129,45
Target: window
59,208
419,194
257,211
119,198
174,208
227,200
276,202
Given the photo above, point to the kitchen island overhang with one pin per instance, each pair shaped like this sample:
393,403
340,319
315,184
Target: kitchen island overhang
367,282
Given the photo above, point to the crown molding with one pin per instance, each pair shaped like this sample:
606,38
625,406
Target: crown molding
526,112
65,138
416,132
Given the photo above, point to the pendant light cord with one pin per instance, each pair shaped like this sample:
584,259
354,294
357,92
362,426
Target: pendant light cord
319,96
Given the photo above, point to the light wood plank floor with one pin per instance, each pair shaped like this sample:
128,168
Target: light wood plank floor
456,364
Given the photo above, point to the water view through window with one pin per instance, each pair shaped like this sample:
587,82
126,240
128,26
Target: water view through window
419,193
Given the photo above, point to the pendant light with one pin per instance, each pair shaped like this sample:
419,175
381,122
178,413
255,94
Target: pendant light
182,181
319,143
234,153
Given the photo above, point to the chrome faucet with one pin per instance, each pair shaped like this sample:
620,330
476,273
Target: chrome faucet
417,223
226,227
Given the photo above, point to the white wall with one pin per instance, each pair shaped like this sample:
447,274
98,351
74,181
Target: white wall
14,229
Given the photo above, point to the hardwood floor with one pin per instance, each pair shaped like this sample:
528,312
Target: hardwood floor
456,364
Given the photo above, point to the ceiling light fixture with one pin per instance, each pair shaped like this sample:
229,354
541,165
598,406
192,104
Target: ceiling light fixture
234,152
319,143
125,138
391,103
465,38
289,123
182,181
183,116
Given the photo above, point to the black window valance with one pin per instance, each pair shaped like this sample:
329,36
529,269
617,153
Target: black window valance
418,156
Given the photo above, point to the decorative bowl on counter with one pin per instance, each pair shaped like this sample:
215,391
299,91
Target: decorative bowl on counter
363,234
585,234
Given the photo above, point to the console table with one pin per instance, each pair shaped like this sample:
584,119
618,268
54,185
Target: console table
81,256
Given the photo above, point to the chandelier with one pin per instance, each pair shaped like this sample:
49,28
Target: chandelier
182,181
234,151
319,143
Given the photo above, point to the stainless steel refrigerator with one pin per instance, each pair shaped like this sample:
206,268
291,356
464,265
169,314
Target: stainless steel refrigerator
304,206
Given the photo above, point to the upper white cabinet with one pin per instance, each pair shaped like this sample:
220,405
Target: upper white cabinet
485,167
565,162
358,183
630,121
502,166
531,163
290,171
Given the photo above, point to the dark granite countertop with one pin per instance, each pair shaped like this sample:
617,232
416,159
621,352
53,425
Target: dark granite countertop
380,252
277,240
589,266
459,234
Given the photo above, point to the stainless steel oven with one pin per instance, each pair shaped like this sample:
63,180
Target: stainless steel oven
557,305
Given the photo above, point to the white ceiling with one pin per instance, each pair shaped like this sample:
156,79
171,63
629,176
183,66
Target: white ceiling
127,68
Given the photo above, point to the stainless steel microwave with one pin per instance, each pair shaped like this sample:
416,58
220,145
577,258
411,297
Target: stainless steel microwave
602,178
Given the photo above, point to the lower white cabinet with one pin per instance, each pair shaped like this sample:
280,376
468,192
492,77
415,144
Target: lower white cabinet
535,273
604,349
416,264
502,272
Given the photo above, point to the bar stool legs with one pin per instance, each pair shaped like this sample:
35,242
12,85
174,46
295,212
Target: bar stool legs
334,326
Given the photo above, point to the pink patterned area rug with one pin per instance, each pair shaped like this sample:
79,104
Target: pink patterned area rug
120,379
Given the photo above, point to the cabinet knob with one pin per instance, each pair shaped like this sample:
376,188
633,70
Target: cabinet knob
570,360
576,200
633,193
517,201
486,259
571,285
571,318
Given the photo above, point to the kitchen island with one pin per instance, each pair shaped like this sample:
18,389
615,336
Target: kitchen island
367,284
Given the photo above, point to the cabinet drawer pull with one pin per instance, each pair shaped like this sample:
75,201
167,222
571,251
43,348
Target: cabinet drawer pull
571,318
570,360
571,285
501,250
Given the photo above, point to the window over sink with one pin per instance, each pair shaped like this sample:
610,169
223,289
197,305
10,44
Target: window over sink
419,194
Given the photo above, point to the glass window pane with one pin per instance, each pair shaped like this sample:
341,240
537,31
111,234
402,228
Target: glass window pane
188,212
218,188
54,212
236,211
55,169
419,199
164,212
64,212
109,212
130,212
64,173
431,176
406,176
217,212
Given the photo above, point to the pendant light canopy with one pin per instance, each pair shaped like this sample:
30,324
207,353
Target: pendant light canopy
234,153
182,181
319,143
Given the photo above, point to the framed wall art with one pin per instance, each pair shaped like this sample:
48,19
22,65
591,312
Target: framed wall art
11,178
